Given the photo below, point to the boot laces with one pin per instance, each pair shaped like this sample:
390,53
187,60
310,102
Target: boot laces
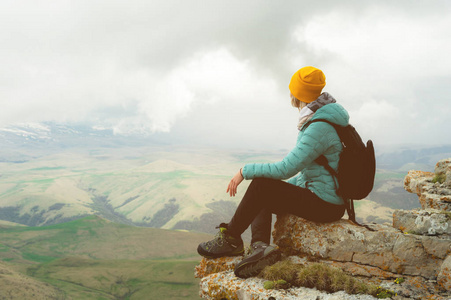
219,238
254,247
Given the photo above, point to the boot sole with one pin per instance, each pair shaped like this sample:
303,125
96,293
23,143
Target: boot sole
253,268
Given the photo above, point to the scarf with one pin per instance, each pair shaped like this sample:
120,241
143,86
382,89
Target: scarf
308,111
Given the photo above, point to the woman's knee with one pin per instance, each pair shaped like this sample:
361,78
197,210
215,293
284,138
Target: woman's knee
264,187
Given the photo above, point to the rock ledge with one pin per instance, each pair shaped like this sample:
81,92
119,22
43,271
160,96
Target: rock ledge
416,248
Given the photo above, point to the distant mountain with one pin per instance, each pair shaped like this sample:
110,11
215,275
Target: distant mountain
20,142
28,133
43,138
414,157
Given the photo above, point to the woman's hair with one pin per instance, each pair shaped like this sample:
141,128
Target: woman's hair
296,102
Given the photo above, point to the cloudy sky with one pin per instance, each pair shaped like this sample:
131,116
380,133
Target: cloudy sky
217,72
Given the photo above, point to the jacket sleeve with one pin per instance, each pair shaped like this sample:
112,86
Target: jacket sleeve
311,143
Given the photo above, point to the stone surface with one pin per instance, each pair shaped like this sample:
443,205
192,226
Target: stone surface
225,285
443,168
431,195
423,222
210,266
415,181
385,248
444,276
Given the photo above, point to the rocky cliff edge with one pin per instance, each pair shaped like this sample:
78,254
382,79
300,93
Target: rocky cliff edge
411,258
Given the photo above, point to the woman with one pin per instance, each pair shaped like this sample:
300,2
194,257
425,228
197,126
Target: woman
310,195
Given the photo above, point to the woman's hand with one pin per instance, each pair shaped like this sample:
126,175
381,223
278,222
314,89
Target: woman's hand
236,180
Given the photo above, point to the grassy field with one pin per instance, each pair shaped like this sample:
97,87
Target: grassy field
115,184
92,258
170,189
81,278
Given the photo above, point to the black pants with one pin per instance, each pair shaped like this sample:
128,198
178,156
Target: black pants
265,197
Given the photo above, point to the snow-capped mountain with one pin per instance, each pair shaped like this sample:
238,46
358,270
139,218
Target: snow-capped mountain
39,138
49,131
23,141
27,131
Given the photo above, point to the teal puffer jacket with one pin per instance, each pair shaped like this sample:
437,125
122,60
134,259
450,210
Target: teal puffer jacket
318,138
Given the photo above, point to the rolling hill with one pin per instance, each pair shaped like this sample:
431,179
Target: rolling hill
53,173
92,258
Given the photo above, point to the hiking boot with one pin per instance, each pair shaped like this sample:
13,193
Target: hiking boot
222,245
260,256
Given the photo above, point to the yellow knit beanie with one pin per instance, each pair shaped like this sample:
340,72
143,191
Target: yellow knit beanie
307,83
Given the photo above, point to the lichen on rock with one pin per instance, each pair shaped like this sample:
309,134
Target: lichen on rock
432,222
384,248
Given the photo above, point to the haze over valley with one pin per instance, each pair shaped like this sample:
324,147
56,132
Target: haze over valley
56,173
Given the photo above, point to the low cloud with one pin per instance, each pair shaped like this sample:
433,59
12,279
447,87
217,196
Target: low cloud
381,64
218,73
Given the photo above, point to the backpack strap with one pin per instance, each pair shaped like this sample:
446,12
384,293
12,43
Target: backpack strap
322,161
350,209
351,214
321,120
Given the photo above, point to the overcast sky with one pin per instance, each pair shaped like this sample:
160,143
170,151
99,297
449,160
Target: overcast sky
217,72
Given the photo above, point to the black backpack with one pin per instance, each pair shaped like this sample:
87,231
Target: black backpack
356,167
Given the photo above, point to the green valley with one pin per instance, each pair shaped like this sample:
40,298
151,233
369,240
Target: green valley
92,258
140,186
145,186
